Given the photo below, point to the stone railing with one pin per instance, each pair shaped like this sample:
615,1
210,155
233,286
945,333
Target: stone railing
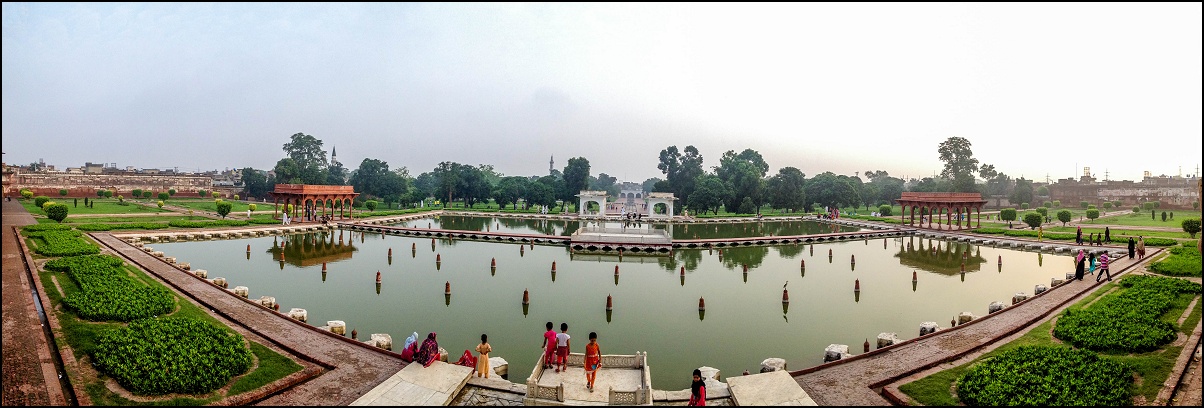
639,396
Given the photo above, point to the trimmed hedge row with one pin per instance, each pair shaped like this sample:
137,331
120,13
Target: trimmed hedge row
1128,321
62,243
1046,376
1183,261
120,226
207,224
107,293
172,355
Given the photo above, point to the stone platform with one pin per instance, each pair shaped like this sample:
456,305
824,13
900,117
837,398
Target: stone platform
772,388
418,385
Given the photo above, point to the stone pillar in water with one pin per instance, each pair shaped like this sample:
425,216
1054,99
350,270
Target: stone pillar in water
965,317
995,307
337,327
1039,289
928,328
1019,297
887,339
299,314
836,352
773,364
241,291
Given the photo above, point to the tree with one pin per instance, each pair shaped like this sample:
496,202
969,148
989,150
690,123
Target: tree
1148,205
202,193
63,192
681,170
1191,226
100,193
649,183
306,151
830,190
216,194
57,212
251,206
137,192
1057,203
542,191
370,205
1043,191
288,172
1157,204
604,182
785,190
1043,211
255,183
747,206
708,194
1047,204
108,193
164,196
1084,205
1092,214
960,163
336,174
509,190
373,179
1164,216
576,177
1008,214
223,208
448,176
1107,205
1033,219
472,186
1022,192
172,192
742,173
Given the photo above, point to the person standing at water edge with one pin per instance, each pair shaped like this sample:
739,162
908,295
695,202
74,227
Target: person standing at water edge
698,390
593,360
549,345
483,360
562,347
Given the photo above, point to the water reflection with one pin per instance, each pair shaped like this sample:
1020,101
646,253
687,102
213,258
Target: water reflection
944,257
677,231
304,250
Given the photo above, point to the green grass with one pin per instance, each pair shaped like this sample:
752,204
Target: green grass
1119,234
100,220
1142,219
272,366
1153,367
102,206
237,207
1177,261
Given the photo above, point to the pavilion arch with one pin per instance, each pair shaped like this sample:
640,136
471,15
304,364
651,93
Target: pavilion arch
952,206
587,196
312,201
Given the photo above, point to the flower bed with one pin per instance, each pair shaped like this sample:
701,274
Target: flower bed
61,243
107,293
171,355
1127,321
1046,376
1183,261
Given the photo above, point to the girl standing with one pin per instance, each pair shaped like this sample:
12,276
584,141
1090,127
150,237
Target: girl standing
483,360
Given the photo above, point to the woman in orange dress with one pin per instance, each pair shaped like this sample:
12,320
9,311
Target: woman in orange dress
593,360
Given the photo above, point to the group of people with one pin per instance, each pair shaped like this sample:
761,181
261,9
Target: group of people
1093,239
556,352
1138,247
1081,265
427,353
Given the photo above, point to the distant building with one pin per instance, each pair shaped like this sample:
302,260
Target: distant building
1173,191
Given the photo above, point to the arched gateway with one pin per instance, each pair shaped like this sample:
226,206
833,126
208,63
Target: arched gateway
312,201
938,204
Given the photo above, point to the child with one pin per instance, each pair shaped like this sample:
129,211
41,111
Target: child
483,361
593,360
549,345
562,346
1092,259
698,390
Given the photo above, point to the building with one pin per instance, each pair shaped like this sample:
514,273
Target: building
1171,191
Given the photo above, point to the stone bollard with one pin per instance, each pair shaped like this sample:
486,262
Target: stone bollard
298,314
170,259
220,281
928,328
157,254
965,317
443,354
1069,276
836,352
241,291
887,339
500,366
773,364
1039,289
267,301
184,265
381,340
337,327
1019,297
995,307
201,273
1055,282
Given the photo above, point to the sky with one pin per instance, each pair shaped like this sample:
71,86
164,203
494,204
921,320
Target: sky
1038,89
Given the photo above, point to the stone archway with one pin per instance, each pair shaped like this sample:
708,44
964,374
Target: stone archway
586,197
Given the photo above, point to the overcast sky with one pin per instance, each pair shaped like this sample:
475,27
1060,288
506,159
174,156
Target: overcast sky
1037,88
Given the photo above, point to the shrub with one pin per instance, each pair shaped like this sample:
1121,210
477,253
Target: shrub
1195,205
121,225
46,205
223,208
1157,204
137,192
1044,211
746,206
1047,204
1033,219
202,193
885,210
1023,206
251,207
1083,204
1164,216
100,193
1061,236
1191,226
1046,376
1107,205
207,224
160,203
1064,216
61,242
40,201
1148,205
107,293
1091,207
370,204
172,355
236,197
216,194
1127,321
1136,209
57,212
171,192
1008,214
1161,242
1183,261
1057,203
63,192
1092,214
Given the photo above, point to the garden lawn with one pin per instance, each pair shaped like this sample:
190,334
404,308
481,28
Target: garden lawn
102,206
236,208
1153,367
1142,219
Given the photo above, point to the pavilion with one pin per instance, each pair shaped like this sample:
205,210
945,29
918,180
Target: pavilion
938,204
309,199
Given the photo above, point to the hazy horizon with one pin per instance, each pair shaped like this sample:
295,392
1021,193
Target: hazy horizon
1036,88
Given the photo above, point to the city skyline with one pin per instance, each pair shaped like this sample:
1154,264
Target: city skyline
1036,89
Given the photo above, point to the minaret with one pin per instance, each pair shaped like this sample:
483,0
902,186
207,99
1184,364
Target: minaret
333,156
551,164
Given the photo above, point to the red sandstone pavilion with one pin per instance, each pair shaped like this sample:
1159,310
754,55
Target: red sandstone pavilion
938,204
312,201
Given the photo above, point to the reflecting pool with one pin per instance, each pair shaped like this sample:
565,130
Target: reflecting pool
655,307
677,230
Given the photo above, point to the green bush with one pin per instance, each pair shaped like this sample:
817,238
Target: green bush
107,293
885,210
1033,219
216,194
1023,206
1136,209
370,204
1092,214
40,200
1107,205
62,243
172,355
1164,216
1148,205
1046,376
1191,226
223,208
28,230
1064,216
1161,242
1008,214
207,224
1061,236
1157,204
1128,321
63,192
57,212
137,192
164,196
251,207
1057,203
26,194
121,226
1183,261
1084,204
171,192
1047,204
1044,211
108,194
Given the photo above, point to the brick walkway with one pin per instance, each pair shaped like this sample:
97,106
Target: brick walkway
852,381
30,377
354,368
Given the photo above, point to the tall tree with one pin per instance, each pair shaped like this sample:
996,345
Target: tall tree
576,178
742,173
255,183
306,151
785,190
374,180
510,189
709,194
830,190
1022,193
287,171
960,164
336,174
472,185
448,176
604,182
681,170
648,184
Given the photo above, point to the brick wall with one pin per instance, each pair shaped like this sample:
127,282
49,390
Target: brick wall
85,185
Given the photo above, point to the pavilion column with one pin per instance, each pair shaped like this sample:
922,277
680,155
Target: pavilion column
979,210
948,216
276,206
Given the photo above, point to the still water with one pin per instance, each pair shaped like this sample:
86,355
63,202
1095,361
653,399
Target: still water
655,309
678,231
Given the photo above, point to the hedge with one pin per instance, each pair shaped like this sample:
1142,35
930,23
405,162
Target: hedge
107,293
1183,261
1128,321
172,355
62,243
207,224
120,226
1046,376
